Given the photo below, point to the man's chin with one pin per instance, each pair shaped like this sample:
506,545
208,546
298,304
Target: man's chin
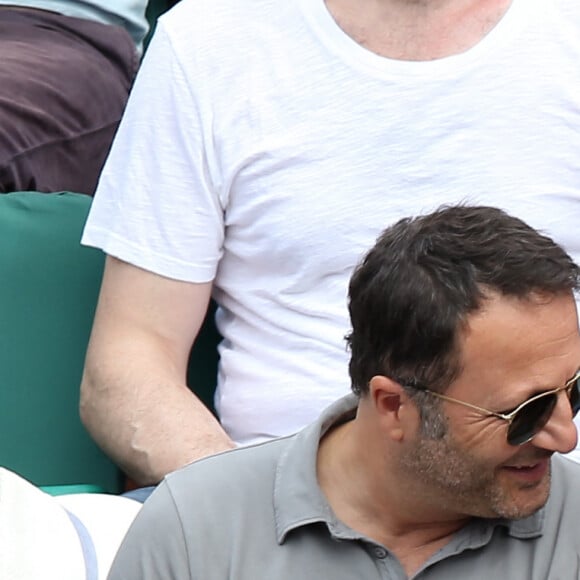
523,492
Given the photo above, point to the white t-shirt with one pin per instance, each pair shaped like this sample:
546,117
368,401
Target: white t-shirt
264,149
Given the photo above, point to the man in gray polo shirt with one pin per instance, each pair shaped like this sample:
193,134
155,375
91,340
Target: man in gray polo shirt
465,356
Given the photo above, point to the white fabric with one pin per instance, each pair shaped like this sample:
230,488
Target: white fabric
265,149
106,517
38,539
130,14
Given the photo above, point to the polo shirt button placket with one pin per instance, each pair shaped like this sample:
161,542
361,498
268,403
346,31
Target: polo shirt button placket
380,553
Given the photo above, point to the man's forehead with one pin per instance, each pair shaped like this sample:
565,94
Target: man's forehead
536,339
499,313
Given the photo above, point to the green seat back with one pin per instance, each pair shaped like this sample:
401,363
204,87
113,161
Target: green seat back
49,286
155,8
204,359
48,291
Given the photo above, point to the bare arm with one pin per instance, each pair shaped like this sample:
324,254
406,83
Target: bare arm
134,397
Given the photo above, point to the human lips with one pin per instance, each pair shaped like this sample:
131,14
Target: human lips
529,471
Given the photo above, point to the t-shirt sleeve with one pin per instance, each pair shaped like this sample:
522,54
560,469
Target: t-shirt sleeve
154,547
158,204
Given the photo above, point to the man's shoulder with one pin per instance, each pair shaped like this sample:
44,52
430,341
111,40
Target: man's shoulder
563,507
566,477
220,40
222,496
229,16
231,474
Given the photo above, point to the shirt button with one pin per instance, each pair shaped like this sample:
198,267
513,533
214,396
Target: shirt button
380,552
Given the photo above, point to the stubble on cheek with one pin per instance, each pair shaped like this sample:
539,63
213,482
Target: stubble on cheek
454,479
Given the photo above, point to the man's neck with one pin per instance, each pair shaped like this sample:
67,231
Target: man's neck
418,30
365,495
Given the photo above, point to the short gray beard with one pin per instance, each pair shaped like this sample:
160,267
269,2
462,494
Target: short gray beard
453,478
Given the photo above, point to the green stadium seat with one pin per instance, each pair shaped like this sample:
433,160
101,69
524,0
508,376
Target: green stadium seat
48,290
49,286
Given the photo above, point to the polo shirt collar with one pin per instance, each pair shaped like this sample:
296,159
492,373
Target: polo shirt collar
299,501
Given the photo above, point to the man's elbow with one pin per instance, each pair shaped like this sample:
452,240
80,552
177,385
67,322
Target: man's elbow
88,407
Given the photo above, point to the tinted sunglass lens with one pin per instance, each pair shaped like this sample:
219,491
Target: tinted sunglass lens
531,419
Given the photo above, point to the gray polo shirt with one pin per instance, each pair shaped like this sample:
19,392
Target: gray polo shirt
257,513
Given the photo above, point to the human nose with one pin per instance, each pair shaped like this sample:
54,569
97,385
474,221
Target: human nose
559,433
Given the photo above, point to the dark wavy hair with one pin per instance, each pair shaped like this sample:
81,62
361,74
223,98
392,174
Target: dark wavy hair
412,293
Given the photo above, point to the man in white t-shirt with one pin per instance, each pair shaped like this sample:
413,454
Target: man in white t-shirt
65,73
264,147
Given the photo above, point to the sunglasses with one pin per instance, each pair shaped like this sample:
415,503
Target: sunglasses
527,419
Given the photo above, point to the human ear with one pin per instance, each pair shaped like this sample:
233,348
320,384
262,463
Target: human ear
388,398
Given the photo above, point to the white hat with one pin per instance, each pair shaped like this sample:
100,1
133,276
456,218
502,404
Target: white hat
69,537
